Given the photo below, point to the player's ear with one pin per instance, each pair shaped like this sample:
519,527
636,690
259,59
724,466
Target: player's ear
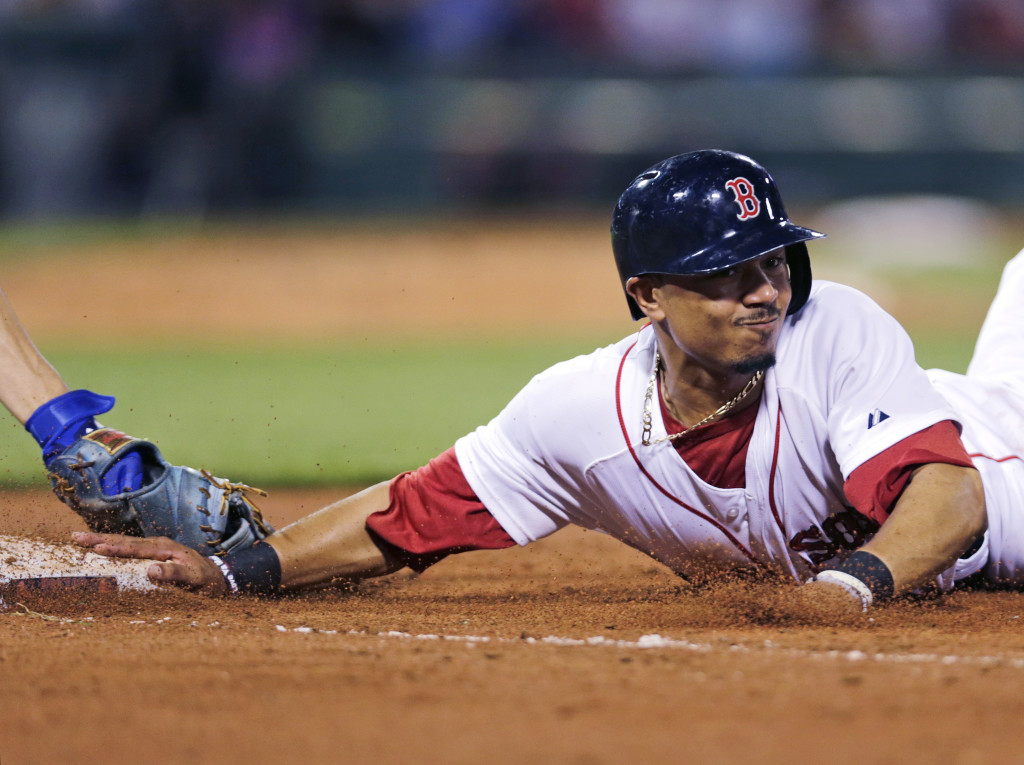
643,289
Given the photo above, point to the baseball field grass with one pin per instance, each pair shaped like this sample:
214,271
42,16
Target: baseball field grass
344,414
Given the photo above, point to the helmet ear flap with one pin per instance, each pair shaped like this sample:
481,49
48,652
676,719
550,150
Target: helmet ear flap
799,276
634,308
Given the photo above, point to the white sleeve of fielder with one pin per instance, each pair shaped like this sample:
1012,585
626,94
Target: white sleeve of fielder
875,393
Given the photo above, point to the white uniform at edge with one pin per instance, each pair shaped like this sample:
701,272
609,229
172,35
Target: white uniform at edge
990,400
567,449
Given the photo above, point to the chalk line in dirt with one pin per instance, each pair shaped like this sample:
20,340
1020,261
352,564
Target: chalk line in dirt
654,641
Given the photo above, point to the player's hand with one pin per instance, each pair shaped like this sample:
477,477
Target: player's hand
173,562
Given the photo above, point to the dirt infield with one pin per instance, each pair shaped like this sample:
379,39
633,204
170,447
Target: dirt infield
313,283
576,650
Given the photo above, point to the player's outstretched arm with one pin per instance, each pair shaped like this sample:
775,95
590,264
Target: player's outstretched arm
333,543
327,546
27,380
940,513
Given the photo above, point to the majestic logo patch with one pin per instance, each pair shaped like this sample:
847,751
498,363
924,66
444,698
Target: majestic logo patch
111,440
743,190
876,418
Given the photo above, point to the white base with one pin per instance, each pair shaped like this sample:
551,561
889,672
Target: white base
22,558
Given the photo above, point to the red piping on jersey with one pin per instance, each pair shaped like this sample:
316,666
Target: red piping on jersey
996,459
625,433
771,474
771,489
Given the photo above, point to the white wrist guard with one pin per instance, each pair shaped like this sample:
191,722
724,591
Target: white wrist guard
229,576
848,582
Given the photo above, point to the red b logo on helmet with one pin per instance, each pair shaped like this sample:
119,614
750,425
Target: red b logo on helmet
743,190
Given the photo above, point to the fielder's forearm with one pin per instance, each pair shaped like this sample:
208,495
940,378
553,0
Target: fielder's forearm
941,511
27,380
333,543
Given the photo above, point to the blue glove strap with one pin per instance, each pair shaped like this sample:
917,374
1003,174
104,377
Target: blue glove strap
60,421
54,417
63,420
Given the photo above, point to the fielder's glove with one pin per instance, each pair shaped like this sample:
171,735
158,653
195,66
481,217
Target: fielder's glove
192,507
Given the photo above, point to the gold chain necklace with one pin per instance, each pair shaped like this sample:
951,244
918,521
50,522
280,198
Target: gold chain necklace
727,406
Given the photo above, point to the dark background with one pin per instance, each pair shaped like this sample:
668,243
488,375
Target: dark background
201,107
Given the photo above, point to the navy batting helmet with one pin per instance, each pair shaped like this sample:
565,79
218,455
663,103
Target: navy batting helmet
701,212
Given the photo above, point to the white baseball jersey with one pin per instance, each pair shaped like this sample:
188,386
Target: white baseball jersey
846,386
990,400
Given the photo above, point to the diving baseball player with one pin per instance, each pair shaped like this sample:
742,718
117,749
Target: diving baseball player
757,421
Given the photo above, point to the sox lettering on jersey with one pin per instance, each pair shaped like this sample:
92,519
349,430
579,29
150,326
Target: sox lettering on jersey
743,191
847,530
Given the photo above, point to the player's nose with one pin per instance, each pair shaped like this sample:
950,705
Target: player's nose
758,286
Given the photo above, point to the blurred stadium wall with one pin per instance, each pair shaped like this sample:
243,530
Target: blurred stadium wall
166,107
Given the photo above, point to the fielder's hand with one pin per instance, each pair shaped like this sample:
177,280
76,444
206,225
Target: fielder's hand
173,562
190,506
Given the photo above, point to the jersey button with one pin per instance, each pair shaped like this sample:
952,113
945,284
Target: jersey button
732,513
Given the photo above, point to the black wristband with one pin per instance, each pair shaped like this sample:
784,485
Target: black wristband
253,571
871,570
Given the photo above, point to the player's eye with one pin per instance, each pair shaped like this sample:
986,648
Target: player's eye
775,261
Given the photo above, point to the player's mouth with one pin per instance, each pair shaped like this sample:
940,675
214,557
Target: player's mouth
760,321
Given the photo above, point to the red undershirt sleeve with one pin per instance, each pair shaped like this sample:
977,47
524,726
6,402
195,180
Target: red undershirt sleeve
874,487
433,512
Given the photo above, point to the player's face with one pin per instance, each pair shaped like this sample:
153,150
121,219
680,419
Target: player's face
727,321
